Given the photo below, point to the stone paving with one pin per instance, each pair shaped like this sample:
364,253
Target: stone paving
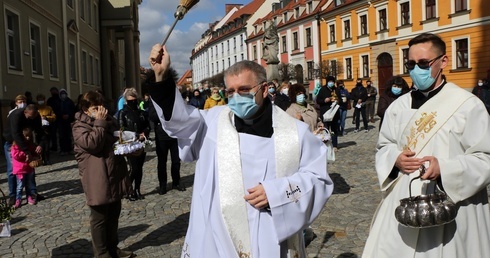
156,226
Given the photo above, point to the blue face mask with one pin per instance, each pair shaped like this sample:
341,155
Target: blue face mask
272,90
330,84
395,90
422,77
300,99
243,106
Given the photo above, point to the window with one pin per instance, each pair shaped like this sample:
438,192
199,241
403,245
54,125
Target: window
460,5
339,2
365,66
363,19
254,52
84,67
430,9
52,56
332,33
96,73
285,17
223,64
333,65
222,47
310,7
296,12
461,53
405,13
229,62
69,3
308,37
89,14
216,52
284,44
13,40
295,41
348,68
405,60
91,70
234,43
82,9
347,29
36,49
241,40
73,64
228,45
242,58
310,70
96,17
382,20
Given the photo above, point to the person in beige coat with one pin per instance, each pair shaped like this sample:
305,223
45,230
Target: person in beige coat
102,173
299,108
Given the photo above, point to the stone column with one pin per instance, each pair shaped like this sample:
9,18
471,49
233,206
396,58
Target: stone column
129,62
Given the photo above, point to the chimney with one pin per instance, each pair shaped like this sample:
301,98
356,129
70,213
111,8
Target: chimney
229,7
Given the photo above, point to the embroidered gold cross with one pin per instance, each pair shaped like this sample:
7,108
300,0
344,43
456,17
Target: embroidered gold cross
422,126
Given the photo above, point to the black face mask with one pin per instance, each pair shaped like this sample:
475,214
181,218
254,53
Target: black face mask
132,103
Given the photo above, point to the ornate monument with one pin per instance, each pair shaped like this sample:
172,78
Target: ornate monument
271,51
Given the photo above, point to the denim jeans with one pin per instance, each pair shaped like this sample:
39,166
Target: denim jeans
11,178
27,181
343,116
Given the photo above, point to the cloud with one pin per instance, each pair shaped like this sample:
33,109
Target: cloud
155,19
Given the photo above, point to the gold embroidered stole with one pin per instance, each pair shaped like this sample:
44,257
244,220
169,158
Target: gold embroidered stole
230,177
431,116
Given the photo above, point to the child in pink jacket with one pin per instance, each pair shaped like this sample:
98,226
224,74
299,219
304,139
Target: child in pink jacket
22,170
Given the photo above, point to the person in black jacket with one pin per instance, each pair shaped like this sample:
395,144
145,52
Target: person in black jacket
197,100
165,143
359,97
19,119
325,98
482,91
64,118
131,118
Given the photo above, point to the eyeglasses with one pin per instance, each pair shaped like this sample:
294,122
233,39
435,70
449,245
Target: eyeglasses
243,90
422,64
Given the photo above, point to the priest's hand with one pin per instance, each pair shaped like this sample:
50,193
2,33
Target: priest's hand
257,197
159,61
434,170
407,163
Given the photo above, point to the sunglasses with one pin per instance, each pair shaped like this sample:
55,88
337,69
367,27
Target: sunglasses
422,64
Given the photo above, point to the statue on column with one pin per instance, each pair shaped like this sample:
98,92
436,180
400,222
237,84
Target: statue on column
271,45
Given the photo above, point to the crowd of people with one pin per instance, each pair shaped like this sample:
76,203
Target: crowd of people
256,199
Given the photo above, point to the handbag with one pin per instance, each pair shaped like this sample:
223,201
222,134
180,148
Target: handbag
328,116
6,211
326,137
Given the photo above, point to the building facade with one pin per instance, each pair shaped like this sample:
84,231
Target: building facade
297,22
225,43
369,39
78,45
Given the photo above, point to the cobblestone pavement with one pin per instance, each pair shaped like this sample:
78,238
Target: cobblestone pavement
156,226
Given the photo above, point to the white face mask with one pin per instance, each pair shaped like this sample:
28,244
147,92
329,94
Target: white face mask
480,84
40,102
21,105
285,91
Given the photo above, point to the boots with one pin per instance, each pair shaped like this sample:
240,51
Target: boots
137,194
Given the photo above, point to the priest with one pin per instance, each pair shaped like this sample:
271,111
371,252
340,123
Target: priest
446,130
260,176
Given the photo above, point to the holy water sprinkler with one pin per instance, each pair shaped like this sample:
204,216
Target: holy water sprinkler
182,9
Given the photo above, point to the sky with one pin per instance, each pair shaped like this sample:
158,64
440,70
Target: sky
156,18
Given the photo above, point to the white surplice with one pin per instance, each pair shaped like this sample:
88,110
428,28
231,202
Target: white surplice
295,200
462,147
